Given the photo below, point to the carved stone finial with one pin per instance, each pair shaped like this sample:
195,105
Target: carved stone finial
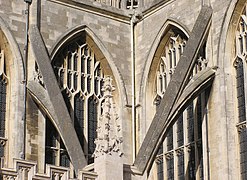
108,139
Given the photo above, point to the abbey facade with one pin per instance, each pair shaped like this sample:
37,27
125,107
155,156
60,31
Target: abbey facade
123,89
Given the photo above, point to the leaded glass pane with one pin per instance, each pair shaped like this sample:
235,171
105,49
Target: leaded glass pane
2,107
64,159
200,159
199,117
190,123
1,150
181,166
180,131
50,143
92,125
160,170
170,139
50,156
240,91
170,167
243,153
192,164
79,117
51,134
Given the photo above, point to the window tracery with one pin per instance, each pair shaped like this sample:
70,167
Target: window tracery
3,94
240,69
179,147
80,77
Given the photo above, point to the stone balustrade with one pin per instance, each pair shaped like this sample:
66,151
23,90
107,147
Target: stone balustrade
26,170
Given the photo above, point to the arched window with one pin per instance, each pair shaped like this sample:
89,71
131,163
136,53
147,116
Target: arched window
81,78
240,69
183,143
3,91
55,151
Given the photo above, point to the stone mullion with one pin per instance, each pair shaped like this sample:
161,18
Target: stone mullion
86,126
79,57
168,64
161,74
86,75
65,73
185,125
72,71
197,137
175,146
204,135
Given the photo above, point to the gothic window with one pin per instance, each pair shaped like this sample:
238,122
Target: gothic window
240,69
186,134
55,151
80,77
3,93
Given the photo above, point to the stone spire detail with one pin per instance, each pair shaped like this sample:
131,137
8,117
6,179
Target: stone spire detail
108,138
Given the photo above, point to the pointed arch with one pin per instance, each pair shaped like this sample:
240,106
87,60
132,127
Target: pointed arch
151,58
101,52
232,59
81,63
152,63
15,92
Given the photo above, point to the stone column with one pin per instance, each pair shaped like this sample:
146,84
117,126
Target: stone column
108,162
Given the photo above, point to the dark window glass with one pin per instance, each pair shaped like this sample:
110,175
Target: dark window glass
190,123
199,117
79,117
181,166
160,164
191,164
92,126
200,159
243,153
160,171
180,132
2,107
170,168
240,91
170,139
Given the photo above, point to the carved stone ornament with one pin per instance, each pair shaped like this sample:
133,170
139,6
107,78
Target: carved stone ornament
2,65
38,76
108,138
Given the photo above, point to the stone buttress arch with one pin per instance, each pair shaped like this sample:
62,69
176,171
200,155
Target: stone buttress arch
152,62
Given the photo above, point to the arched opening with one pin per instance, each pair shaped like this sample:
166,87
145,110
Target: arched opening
181,153
80,68
11,97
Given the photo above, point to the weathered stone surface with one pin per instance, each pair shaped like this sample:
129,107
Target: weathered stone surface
174,88
65,126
